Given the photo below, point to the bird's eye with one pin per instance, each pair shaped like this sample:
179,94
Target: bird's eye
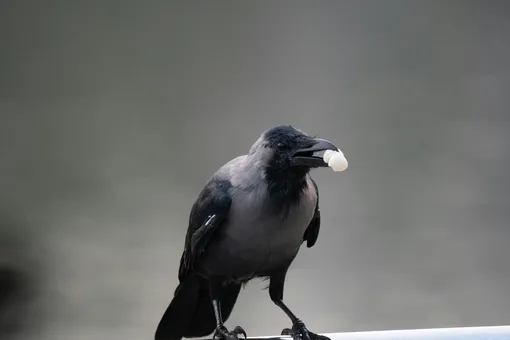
280,145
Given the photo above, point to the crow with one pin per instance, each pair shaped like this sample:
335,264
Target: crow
249,221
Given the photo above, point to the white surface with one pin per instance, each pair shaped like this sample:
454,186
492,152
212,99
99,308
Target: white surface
465,333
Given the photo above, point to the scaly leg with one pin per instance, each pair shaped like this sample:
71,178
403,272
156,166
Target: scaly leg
299,330
222,331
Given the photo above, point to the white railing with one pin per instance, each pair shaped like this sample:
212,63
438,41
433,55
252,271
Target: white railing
462,333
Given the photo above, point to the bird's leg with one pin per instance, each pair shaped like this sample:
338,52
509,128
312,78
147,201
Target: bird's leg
298,330
222,331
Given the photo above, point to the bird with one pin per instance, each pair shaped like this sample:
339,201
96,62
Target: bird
249,221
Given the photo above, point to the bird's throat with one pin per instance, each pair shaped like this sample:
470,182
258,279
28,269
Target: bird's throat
286,188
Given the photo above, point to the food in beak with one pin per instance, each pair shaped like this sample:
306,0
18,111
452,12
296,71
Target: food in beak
335,159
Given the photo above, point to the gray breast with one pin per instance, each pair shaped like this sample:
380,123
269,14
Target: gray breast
255,240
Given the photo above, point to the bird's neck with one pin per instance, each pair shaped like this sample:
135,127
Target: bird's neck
286,187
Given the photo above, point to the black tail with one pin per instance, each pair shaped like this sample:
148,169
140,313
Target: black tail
190,313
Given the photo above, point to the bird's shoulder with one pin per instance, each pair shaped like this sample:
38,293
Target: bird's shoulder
217,193
227,170
312,231
215,198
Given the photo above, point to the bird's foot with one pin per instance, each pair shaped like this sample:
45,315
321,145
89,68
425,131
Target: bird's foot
300,332
223,333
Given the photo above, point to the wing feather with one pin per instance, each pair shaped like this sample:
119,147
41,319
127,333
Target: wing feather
208,214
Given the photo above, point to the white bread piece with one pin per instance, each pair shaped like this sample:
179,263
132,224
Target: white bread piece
336,160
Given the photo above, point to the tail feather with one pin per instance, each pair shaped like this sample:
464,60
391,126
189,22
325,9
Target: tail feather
190,313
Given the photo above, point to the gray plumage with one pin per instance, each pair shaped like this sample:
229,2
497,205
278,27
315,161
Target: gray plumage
257,239
249,221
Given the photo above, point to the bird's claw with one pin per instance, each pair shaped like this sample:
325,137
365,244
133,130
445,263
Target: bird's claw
240,331
300,332
223,333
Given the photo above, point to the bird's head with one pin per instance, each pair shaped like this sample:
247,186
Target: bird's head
288,150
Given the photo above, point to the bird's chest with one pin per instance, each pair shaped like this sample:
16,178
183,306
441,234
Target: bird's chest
274,231
258,238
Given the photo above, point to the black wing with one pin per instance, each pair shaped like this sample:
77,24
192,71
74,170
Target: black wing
312,232
208,213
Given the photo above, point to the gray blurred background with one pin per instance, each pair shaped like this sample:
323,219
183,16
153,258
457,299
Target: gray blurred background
115,113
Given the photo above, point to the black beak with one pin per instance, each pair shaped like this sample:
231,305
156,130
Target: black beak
312,156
